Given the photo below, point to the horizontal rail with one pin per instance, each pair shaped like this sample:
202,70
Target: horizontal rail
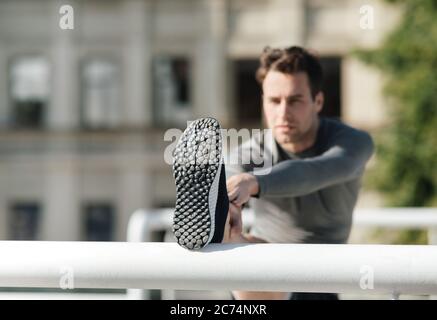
144,221
259,267
420,218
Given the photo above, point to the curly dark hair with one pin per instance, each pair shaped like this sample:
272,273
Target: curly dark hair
291,60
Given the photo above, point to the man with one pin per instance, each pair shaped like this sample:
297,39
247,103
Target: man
309,193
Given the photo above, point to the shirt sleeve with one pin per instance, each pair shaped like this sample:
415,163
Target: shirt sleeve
344,160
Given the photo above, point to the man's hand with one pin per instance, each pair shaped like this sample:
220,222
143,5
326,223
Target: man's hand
241,187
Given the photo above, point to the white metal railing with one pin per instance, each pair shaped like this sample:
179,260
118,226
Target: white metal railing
144,222
263,267
400,269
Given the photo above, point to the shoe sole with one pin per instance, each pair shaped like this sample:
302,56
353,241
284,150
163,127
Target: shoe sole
196,170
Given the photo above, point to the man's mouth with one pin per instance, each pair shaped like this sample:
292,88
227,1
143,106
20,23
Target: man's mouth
285,126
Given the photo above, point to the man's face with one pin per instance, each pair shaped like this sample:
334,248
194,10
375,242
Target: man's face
289,108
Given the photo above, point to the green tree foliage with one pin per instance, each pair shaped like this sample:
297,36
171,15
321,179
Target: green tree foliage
406,170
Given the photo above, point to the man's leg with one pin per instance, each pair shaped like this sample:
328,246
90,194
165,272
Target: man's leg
234,234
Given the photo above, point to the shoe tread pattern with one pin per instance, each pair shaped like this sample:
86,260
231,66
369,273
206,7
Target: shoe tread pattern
196,162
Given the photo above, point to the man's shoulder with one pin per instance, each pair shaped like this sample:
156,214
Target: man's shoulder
335,125
335,131
334,128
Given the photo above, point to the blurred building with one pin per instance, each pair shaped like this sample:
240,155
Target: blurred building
83,112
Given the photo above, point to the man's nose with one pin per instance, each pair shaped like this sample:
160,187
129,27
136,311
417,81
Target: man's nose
283,110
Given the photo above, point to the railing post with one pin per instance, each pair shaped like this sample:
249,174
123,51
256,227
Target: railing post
168,294
139,230
395,296
432,236
432,240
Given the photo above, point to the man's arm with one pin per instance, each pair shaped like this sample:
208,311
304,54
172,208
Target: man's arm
343,161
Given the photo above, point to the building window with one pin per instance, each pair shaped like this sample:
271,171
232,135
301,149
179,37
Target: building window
29,91
247,93
24,221
331,86
172,90
100,94
98,222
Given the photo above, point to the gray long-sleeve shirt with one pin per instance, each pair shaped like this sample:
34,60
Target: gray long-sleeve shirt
309,196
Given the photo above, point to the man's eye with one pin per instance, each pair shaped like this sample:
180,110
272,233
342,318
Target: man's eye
295,101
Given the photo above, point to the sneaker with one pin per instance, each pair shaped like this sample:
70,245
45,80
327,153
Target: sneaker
201,197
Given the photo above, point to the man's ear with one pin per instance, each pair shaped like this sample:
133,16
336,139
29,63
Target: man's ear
319,100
